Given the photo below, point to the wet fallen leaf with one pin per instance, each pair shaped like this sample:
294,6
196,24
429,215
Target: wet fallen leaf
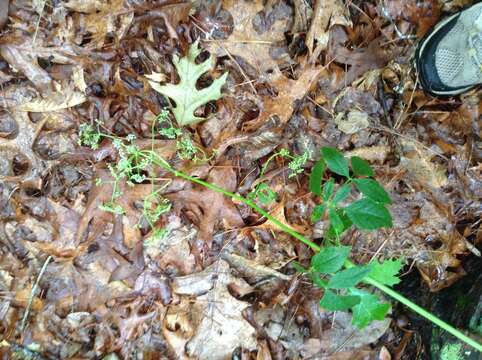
325,14
421,167
253,44
3,12
288,91
218,313
210,208
27,64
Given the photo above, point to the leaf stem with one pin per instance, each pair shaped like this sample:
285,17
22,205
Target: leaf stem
390,292
426,314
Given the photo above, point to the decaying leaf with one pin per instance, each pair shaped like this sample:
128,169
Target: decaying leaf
420,166
18,161
326,13
209,208
343,336
62,99
253,44
173,250
288,91
26,63
220,326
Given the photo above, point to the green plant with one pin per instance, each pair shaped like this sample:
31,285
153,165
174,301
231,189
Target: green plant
330,267
185,146
367,312
367,213
340,291
130,169
296,164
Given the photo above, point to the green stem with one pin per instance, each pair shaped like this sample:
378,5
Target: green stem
251,204
426,314
390,292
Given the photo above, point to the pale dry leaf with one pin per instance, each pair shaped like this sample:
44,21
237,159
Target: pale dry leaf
419,164
276,322
156,77
251,268
179,325
86,6
263,351
302,17
352,122
217,321
384,354
56,101
378,153
343,336
78,78
4,78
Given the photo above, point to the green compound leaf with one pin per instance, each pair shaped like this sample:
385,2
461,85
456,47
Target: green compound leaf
335,221
330,259
264,194
316,177
369,215
373,190
317,280
368,309
335,161
185,94
361,167
349,277
386,272
317,213
334,302
328,189
331,233
341,194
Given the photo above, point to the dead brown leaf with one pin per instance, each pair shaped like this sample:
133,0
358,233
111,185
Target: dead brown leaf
208,208
213,326
325,14
252,38
288,91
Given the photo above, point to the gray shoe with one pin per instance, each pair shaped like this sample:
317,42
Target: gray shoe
449,58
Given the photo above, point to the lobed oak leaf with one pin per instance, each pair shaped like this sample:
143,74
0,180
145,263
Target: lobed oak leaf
185,94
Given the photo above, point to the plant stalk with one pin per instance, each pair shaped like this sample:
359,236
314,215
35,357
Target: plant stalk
390,292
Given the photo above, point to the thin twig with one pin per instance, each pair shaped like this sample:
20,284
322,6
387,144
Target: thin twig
40,14
32,293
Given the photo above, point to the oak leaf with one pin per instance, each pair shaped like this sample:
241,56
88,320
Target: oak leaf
185,94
